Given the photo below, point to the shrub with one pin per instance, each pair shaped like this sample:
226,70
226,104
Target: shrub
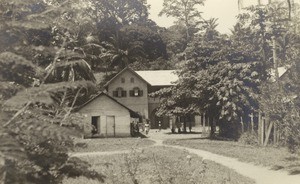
249,138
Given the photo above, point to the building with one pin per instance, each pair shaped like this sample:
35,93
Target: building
131,88
107,117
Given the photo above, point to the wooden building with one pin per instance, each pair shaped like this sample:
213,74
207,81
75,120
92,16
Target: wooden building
106,117
131,88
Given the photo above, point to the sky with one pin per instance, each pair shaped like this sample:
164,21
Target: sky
224,10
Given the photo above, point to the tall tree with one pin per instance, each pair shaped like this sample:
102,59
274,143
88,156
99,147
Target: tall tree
185,11
35,116
219,77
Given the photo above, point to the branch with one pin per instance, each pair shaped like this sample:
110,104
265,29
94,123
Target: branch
73,103
49,10
17,114
55,60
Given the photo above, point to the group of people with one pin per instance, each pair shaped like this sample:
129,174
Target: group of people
145,127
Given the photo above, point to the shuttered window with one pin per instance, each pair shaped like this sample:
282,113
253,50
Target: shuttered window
119,93
136,92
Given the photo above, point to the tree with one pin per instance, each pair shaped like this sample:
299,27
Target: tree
36,119
288,2
277,99
184,11
219,77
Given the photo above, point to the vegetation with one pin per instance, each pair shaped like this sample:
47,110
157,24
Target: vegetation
95,145
50,50
229,77
157,165
276,158
43,77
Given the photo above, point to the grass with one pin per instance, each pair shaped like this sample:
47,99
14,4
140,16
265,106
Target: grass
274,157
159,165
109,144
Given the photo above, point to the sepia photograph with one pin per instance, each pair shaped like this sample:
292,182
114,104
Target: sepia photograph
150,91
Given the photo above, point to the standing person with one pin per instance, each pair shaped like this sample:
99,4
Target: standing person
147,126
132,128
159,125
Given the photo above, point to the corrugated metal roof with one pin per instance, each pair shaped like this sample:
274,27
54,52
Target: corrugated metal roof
159,77
281,71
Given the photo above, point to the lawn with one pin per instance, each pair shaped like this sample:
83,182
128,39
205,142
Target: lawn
159,165
109,144
274,157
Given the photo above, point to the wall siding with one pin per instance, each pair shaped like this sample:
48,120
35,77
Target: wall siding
104,106
139,104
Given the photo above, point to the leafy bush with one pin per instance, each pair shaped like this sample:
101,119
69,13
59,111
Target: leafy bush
249,138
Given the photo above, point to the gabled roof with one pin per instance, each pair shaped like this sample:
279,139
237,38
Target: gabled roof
151,77
281,71
125,69
159,77
132,113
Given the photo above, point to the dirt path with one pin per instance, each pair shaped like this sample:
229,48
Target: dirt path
261,175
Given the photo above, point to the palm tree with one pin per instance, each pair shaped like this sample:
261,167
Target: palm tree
289,3
68,65
119,53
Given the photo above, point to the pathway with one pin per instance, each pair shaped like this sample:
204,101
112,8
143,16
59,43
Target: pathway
261,175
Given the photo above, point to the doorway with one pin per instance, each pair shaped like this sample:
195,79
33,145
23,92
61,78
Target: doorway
110,126
95,124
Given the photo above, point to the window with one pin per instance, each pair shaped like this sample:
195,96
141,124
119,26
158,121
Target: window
122,80
136,92
132,80
119,93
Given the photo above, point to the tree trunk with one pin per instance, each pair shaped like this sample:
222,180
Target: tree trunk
240,4
184,124
269,128
242,124
252,122
259,2
275,134
213,128
261,129
203,127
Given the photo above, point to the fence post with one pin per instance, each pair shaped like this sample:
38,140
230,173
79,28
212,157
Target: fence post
203,127
242,124
269,128
260,129
275,134
252,122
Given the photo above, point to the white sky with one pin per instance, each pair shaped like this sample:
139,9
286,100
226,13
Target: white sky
224,10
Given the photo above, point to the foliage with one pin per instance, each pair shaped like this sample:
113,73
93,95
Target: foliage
36,122
278,41
157,165
219,77
270,156
185,11
118,144
249,138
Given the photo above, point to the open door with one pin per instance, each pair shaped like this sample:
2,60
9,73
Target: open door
110,126
95,124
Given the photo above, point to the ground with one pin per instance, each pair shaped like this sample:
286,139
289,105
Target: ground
178,158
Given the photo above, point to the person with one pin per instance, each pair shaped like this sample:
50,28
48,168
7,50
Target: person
94,130
147,127
159,125
132,131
